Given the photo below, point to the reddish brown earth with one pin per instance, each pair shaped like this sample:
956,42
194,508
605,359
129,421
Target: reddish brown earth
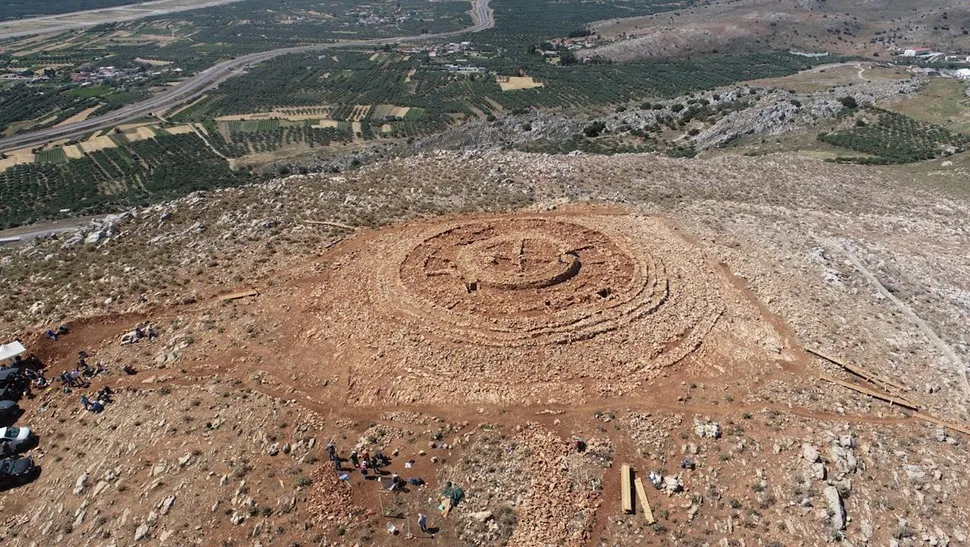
478,345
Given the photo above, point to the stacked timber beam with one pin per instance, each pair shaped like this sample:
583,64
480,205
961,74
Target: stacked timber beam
644,503
626,496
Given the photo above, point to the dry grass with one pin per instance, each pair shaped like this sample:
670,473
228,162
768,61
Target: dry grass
816,79
136,125
143,133
73,152
385,110
512,83
80,116
97,143
180,129
16,157
942,101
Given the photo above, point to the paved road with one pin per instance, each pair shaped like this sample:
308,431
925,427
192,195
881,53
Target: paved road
26,233
46,24
194,87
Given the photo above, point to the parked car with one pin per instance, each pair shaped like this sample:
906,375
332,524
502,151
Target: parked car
11,393
17,471
12,376
14,440
9,409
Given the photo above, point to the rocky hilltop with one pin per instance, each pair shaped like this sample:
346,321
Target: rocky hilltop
520,325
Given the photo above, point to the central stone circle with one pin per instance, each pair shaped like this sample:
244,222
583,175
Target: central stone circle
521,260
511,273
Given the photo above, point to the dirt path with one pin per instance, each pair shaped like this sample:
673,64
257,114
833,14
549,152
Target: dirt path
207,143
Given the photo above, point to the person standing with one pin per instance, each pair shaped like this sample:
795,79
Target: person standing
423,523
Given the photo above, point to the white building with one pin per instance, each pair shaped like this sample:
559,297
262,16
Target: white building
916,52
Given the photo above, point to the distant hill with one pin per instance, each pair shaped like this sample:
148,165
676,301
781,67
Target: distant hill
870,28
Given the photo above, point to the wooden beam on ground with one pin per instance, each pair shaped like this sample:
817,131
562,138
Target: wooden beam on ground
881,396
238,295
948,425
642,495
626,498
858,371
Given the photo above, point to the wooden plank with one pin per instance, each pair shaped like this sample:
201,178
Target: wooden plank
642,495
238,295
948,425
627,495
869,392
858,371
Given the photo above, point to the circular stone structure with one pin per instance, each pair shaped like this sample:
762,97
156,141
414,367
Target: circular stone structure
520,280
516,282
517,261
493,308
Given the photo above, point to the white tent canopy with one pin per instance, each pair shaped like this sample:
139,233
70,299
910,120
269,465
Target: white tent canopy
11,350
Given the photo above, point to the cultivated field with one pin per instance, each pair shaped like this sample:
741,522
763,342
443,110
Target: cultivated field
512,83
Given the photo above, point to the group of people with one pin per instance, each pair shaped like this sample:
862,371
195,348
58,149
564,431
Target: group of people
102,398
362,459
52,334
139,333
365,461
83,371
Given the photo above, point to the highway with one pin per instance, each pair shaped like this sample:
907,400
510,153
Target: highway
48,24
482,18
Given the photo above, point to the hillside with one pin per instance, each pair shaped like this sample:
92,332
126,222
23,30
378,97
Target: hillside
390,311
865,29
